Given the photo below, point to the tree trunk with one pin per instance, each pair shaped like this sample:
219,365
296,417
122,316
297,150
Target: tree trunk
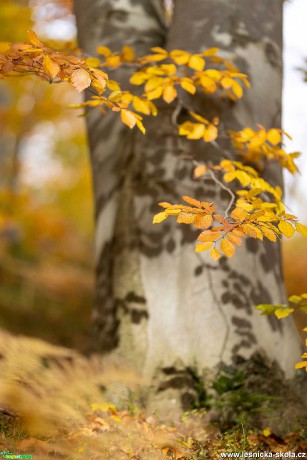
161,306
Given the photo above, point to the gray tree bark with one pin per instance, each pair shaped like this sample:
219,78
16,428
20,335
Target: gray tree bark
159,305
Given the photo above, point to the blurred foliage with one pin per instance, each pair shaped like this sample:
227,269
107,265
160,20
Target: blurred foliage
75,419
45,200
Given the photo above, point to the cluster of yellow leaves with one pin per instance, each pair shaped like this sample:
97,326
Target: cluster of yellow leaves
201,130
187,71
295,303
248,177
115,59
260,146
251,217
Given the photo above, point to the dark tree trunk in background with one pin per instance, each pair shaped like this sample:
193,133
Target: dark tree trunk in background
159,305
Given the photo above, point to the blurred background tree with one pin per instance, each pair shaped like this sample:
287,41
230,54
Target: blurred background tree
46,223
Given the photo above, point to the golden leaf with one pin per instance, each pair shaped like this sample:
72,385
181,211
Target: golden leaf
286,228
283,312
227,247
180,57
128,118
200,171
301,229
196,62
141,106
33,39
274,136
128,53
185,218
104,51
215,254
160,217
188,85
113,85
81,79
169,94
239,214
203,246
93,62
301,365
208,84
268,233
210,133
50,67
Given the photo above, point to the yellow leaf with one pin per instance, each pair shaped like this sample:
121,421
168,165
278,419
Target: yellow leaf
160,217
155,94
180,57
81,79
227,82
210,52
208,84
141,106
237,89
113,85
203,247
301,229
227,247
196,62
169,94
50,67
199,171
266,432
141,127
138,78
104,51
92,62
165,204
274,136
268,233
286,228
252,231
283,312
210,133
188,85
33,39
239,214
128,118
215,254
128,53
301,365
185,218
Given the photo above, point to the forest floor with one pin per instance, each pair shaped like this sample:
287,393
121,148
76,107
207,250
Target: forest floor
54,404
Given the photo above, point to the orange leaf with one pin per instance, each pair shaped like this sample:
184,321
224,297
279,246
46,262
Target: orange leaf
227,247
33,39
215,254
50,67
81,79
203,247
192,201
203,221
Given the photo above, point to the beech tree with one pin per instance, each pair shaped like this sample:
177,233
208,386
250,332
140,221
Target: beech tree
166,309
